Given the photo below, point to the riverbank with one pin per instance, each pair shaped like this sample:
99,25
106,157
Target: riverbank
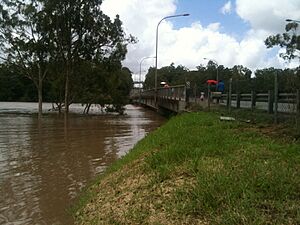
197,169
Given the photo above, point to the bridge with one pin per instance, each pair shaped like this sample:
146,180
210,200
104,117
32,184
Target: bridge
171,98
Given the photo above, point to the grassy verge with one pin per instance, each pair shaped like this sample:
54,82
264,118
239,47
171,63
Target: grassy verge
197,169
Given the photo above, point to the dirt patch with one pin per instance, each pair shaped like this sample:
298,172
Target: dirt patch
276,131
281,132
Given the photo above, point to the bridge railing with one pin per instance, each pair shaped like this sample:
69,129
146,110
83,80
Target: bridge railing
177,92
148,93
173,93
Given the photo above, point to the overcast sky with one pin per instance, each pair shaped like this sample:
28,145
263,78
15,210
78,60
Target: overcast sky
230,32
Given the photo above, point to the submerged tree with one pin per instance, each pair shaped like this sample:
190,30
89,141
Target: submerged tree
122,84
23,40
81,33
59,38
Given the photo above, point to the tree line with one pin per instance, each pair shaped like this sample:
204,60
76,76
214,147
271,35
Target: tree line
96,86
69,49
243,79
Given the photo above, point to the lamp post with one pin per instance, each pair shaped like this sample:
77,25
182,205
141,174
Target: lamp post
290,20
140,77
156,48
217,66
149,57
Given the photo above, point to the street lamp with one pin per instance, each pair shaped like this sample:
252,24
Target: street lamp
290,20
156,47
149,57
217,66
140,78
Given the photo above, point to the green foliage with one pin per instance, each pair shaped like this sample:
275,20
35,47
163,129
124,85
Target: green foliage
14,86
24,43
288,79
289,40
85,37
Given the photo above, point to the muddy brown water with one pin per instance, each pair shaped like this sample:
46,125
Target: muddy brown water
43,166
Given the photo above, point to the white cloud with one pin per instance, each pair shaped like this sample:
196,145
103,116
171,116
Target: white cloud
226,9
268,15
189,45
140,19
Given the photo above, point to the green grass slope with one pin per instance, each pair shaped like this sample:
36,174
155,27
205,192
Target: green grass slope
197,169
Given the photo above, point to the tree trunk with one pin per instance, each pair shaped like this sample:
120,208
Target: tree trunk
88,108
67,92
59,106
40,95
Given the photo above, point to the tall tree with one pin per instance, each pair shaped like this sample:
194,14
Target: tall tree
23,40
91,84
82,32
120,85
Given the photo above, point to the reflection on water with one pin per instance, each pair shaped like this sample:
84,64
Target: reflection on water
44,165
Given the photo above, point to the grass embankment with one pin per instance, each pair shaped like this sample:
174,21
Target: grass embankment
198,170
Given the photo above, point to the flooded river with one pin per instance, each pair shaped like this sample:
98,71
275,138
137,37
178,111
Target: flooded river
43,166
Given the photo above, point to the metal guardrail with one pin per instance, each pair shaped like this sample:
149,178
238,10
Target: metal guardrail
288,100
